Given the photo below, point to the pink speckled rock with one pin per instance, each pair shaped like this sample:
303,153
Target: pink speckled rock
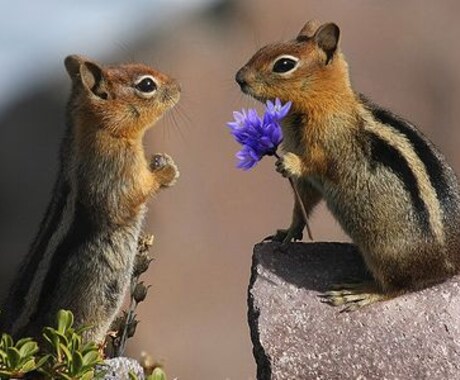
295,336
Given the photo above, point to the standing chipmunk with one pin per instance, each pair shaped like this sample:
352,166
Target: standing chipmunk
387,185
83,255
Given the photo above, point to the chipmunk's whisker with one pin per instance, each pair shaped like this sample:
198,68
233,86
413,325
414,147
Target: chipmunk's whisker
183,115
175,116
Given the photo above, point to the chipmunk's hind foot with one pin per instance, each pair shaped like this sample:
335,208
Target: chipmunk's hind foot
286,236
353,295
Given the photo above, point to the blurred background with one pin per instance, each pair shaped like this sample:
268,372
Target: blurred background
402,54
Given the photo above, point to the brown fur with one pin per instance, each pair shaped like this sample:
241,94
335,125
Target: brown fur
112,130
339,151
83,256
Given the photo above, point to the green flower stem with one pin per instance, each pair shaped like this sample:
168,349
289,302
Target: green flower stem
299,200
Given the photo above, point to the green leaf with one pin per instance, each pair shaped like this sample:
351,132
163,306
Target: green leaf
132,376
49,337
27,349
61,337
65,376
87,376
6,341
64,320
89,346
67,353
14,357
21,342
3,356
75,342
42,361
157,374
77,363
54,337
28,366
91,358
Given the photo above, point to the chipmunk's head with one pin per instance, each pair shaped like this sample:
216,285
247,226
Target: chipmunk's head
125,99
296,69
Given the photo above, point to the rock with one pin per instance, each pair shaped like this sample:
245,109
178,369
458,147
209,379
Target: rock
119,368
295,336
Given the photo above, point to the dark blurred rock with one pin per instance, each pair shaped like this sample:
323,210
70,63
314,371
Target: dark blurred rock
295,336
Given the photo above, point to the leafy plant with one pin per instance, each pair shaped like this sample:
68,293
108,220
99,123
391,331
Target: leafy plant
66,356
18,359
157,374
153,369
69,358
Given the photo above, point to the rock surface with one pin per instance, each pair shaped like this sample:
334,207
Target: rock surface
119,368
295,336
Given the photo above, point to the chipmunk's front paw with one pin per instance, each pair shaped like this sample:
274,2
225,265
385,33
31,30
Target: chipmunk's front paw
289,165
164,169
159,161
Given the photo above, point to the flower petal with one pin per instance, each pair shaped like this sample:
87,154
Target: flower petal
240,116
248,158
259,136
284,110
233,125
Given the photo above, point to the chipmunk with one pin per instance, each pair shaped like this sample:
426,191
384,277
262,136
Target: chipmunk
82,257
387,185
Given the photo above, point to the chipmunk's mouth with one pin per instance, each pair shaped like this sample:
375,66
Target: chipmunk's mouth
248,90
242,81
245,88
255,96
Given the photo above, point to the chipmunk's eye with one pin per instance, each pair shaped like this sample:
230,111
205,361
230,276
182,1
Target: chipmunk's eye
285,64
146,85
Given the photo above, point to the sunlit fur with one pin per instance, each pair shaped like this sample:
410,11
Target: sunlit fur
83,255
338,149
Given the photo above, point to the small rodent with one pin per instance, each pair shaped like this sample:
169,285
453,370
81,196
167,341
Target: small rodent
82,257
388,186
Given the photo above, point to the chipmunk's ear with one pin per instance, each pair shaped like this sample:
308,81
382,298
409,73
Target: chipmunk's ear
327,38
87,73
308,30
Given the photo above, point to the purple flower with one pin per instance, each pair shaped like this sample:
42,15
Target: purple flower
276,110
259,136
248,158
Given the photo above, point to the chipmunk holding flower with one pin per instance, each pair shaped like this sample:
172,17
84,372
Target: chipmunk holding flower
82,258
388,186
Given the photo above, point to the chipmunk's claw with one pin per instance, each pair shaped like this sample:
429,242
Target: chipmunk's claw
285,236
353,295
165,168
281,168
289,165
159,161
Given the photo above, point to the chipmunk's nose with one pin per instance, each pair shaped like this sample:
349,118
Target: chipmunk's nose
240,79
